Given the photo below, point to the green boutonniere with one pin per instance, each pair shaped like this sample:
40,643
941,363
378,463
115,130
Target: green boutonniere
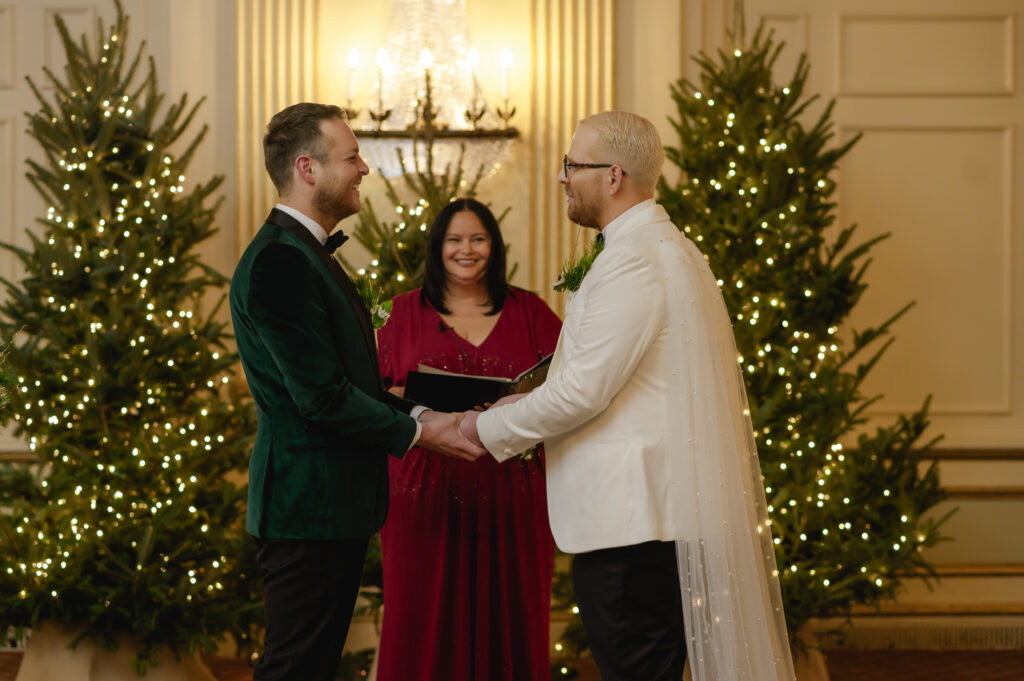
574,270
380,310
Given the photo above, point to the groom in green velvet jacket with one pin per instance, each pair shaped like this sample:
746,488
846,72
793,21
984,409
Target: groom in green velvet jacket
318,478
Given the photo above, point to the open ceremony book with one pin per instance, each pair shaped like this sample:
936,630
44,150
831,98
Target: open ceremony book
446,391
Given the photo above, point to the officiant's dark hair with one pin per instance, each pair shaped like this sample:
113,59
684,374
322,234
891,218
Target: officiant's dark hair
434,275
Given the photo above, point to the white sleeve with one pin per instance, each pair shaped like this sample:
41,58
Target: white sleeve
620,306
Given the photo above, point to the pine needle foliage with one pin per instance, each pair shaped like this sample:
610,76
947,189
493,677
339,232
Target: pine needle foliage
130,523
849,505
576,268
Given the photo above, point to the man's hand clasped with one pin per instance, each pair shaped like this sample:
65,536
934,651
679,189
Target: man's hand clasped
441,433
467,425
455,434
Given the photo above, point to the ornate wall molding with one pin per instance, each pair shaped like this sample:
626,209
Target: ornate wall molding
276,42
572,77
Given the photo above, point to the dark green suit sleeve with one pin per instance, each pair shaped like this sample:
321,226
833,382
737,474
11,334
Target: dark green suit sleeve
400,403
293,323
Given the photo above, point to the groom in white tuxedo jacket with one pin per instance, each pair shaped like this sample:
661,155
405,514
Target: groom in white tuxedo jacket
601,413
650,463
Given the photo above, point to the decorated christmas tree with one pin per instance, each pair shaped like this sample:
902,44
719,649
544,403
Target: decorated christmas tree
131,521
848,505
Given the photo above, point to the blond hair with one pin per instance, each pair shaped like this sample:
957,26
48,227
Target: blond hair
632,142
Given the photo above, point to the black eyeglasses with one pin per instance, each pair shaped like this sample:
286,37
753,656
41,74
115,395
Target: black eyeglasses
566,165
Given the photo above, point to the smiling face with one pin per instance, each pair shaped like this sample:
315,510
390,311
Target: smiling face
465,249
337,189
583,195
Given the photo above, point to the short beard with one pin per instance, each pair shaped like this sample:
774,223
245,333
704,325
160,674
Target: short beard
326,203
582,216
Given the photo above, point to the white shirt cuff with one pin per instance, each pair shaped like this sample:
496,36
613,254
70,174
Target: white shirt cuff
415,413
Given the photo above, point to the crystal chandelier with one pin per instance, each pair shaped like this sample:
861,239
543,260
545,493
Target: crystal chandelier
427,106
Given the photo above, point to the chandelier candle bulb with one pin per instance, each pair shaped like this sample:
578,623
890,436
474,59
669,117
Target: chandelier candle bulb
506,66
473,60
353,64
426,60
435,110
383,62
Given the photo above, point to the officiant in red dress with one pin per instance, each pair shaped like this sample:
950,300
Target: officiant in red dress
467,550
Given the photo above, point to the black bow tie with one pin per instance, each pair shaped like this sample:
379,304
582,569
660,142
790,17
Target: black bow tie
335,240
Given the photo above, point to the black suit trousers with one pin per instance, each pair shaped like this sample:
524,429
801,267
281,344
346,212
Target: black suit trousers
630,604
310,588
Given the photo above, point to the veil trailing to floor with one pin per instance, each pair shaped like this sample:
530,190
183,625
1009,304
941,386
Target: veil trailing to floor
736,628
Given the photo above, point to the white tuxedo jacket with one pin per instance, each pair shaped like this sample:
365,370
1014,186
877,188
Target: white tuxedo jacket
606,407
648,437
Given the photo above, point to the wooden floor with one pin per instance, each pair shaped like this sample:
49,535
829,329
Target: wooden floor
843,665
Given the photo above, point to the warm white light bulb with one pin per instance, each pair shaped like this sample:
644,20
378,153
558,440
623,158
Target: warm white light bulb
506,66
353,58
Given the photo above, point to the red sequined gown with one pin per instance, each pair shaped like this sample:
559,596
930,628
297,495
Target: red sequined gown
467,549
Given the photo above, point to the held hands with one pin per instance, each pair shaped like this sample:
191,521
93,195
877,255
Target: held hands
467,424
442,433
456,434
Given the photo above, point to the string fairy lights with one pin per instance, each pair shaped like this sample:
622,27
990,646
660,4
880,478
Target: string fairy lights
121,378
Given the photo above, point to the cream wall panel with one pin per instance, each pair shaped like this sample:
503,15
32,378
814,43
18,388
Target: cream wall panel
996,476
648,59
958,594
936,86
981,530
6,46
937,55
943,195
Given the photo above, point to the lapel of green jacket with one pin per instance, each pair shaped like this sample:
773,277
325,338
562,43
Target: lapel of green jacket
285,221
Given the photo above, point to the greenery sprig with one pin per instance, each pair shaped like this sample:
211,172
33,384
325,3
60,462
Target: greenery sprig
372,295
575,269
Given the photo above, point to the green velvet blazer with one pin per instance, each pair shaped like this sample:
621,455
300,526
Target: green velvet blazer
326,426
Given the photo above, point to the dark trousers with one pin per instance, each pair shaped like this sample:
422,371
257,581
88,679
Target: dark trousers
631,609
310,587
